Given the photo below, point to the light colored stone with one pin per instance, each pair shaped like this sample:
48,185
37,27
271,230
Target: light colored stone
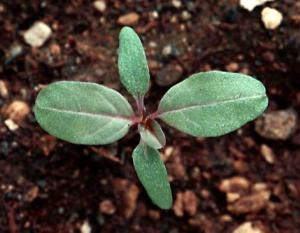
3,89
234,184
277,125
271,18
251,4
267,153
129,19
38,34
176,3
186,202
100,5
16,110
86,227
107,207
247,227
185,15
11,125
252,203
232,67
232,197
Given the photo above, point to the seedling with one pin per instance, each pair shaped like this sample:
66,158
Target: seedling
207,104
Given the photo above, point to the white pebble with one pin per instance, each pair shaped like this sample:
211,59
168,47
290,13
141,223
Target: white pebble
85,227
271,18
11,125
251,4
247,227
38,34
177,3
100,5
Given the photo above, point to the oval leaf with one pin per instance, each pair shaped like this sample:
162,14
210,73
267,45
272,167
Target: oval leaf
213,103
133,67
83,113
153,135
153,175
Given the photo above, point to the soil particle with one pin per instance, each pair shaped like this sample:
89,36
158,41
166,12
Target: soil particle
154,214
3,89
86,227
129,193
251,4
129,19
100,5
271,18
267,153
11,125
16,111
107,207
186,202
203,222
32,194
277,125
232,67
176,169
234,185
250,203
248,227
38,34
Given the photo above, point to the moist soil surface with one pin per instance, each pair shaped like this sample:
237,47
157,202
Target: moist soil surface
246,179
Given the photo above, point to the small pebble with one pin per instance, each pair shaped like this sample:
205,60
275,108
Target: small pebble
38,34
129,19
11,125
267,153
32,194
3,89
100,6
14,51
251,4
247,227
176,3
252,203
277,125
232,67
271,18
186,201
234,184
16,110
86,227
107,207
185,15
170,50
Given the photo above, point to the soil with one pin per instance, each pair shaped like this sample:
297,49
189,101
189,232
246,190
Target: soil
51,186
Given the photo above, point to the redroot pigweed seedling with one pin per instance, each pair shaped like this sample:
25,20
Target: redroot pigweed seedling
206,104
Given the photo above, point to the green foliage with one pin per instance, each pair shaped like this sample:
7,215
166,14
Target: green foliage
152,135
153,175
132,63
206,104
83,113
213,103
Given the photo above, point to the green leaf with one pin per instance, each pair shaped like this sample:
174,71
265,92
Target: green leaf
153,135
133,67
213,103
83,113
153,175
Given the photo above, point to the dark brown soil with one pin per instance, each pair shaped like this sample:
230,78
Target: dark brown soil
50,186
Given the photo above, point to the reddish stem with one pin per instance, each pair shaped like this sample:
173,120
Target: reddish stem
153,115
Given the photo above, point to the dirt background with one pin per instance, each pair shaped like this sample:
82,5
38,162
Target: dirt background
244,182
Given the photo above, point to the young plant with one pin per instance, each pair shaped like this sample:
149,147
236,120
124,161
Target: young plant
207,104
